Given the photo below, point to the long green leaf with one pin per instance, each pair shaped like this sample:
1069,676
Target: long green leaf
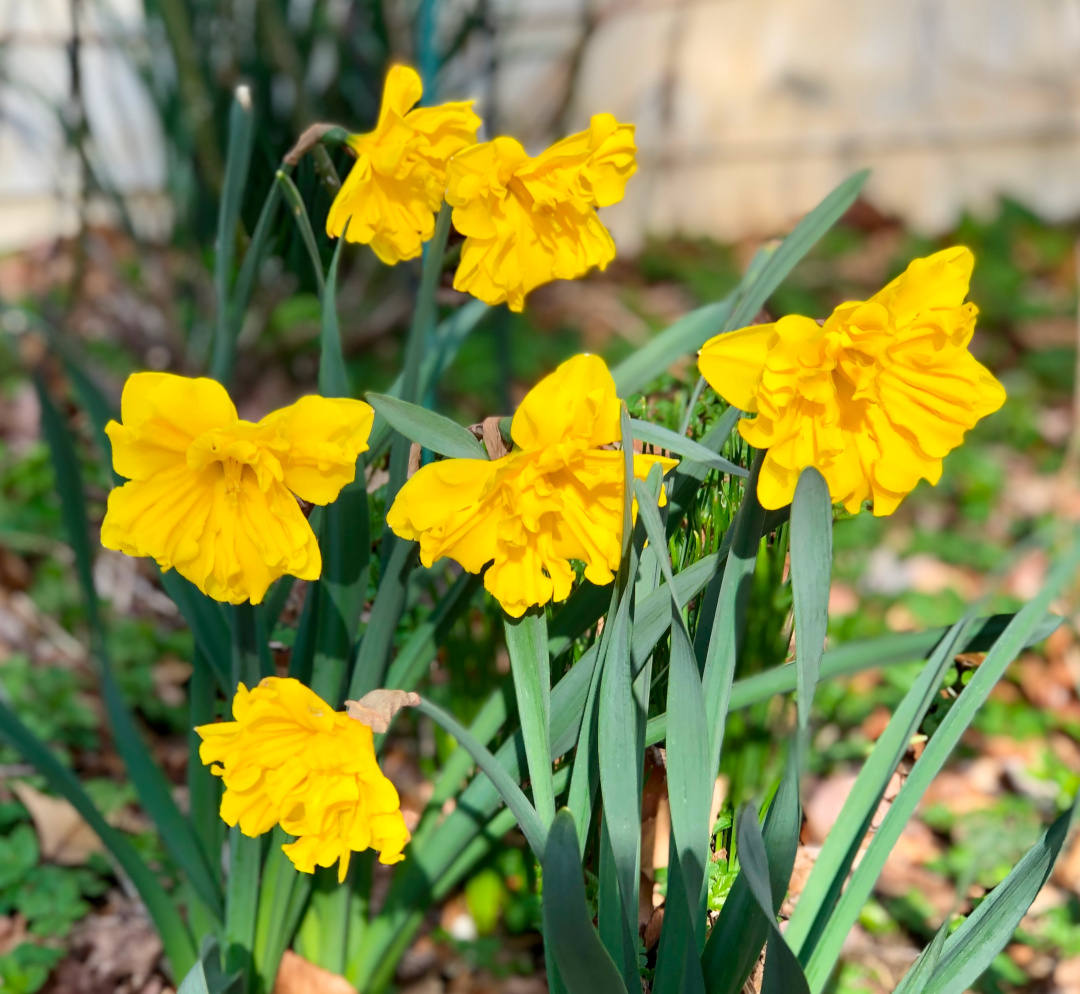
241,138
530,664
729,625
811,569
842,845
935,754
208,624
678,969
373,657
971,949
619,766
689,333
426,428
303,222
783,973
333,377
414,657
528,820
584,965
447,342
277,893
686,335
242,905
804,236
618,752
916,979
149,781
345,540
683,446
689,781
177,940
195,981
736,939
585,778
864,655
245,278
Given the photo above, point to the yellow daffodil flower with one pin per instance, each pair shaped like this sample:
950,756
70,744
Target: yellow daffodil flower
395,188
211,496
289,759
874,399
528,221
557,496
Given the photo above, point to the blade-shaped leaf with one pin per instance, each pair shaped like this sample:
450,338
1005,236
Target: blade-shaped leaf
149,781
811,569
207,622
426,428
307,234
937,751
530,663
241,139
842,844
528,820
783,973
689,333
448,338
729,625
683,446
175,937
916,979
584,965
971,949
686,335
739,934
689,781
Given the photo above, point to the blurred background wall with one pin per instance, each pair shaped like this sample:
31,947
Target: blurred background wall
748,111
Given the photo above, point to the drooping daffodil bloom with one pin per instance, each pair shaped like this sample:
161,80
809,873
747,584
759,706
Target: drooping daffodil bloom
287,758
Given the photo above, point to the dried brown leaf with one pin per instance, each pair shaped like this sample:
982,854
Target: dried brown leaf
377,709
63,836
298,976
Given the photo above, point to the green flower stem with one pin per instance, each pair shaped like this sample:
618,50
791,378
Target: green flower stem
526,640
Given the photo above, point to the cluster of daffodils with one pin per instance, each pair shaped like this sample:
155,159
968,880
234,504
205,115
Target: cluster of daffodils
526,221
874,397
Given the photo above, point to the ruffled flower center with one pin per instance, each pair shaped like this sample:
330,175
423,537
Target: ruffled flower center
240,449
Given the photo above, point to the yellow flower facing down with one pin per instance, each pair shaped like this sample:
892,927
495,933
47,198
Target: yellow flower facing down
211,496
874,399
557,496
395,188
528,221
289,759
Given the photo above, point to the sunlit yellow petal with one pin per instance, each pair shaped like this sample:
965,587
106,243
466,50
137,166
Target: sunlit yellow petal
732,363
576,401
324,437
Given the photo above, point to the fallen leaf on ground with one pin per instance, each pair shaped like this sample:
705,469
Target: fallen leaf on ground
63,836
297,975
